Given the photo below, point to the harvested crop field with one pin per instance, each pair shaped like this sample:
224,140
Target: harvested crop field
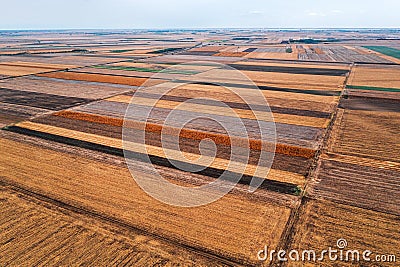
39,100
67,88
31,228
383,77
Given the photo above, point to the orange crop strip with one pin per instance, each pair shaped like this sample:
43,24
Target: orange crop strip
254,144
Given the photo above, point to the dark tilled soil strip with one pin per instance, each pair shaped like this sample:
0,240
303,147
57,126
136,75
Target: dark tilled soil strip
370,103
291,70
39,100
249,50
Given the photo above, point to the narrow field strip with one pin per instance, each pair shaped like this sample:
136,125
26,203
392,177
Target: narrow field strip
291,70
371,88
39,100
38,65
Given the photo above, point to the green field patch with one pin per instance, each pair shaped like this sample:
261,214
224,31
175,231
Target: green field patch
166,50
389,51
121,51
371,88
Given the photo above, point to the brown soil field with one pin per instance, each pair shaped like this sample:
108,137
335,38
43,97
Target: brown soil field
321,223
62,87
365,183
367,134
41,233
376,77
233,227
89,77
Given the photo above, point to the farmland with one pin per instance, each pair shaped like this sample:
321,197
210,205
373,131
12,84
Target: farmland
321,106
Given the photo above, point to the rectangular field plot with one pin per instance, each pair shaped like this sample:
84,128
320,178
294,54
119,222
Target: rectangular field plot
368,134
373,77
26,68
366,183
322,223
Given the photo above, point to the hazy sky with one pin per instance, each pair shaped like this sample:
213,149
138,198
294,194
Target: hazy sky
133,14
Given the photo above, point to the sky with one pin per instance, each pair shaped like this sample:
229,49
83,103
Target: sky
172,14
